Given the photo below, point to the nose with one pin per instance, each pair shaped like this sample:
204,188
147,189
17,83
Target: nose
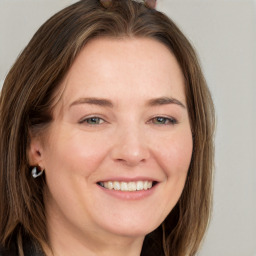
130,147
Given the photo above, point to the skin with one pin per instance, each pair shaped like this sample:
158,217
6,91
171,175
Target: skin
125,142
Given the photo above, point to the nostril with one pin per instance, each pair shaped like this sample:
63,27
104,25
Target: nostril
129,158
130,162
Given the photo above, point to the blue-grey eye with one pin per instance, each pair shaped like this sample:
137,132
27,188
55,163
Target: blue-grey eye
163,120
93,120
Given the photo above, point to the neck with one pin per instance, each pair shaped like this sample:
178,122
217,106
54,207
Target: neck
106,250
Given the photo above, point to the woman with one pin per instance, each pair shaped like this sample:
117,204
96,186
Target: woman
106,137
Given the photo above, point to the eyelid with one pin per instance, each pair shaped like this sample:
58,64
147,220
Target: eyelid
86,118
172,120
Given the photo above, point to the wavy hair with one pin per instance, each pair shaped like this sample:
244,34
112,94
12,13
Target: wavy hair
27,101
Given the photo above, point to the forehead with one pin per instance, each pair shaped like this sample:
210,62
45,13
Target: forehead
125,67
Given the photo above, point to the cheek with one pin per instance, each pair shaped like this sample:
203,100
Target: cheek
72,159
174,158
75,155
175,155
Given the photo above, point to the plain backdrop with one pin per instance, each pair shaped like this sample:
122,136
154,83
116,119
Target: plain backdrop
224,34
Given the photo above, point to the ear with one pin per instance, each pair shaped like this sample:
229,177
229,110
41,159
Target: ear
35,152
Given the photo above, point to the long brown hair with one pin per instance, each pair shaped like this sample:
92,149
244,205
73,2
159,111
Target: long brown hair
27,100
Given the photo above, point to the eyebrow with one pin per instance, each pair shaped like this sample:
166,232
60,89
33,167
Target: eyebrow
165,101
93,101
108,103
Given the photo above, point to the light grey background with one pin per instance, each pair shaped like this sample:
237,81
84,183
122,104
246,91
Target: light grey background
224,34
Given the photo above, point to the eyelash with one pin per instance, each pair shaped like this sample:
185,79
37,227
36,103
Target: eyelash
98,121
86,120
165,120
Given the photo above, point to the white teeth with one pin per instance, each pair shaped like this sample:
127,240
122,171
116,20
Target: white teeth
145,185
149,184
132,186
140,185
127,186
108,185
124,186
117,185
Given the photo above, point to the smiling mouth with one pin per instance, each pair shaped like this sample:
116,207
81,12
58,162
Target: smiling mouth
127,186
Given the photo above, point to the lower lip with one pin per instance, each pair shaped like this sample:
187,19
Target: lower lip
129,195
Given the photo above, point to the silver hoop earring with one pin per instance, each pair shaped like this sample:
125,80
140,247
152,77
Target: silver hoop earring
35,173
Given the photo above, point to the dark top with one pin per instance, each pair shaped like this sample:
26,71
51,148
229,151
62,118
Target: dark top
151,246
30,248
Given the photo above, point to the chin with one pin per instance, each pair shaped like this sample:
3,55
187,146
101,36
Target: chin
134,229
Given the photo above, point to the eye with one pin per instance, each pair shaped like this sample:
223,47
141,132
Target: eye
160,120
94,120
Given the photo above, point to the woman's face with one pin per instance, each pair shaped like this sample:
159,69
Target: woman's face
117,153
